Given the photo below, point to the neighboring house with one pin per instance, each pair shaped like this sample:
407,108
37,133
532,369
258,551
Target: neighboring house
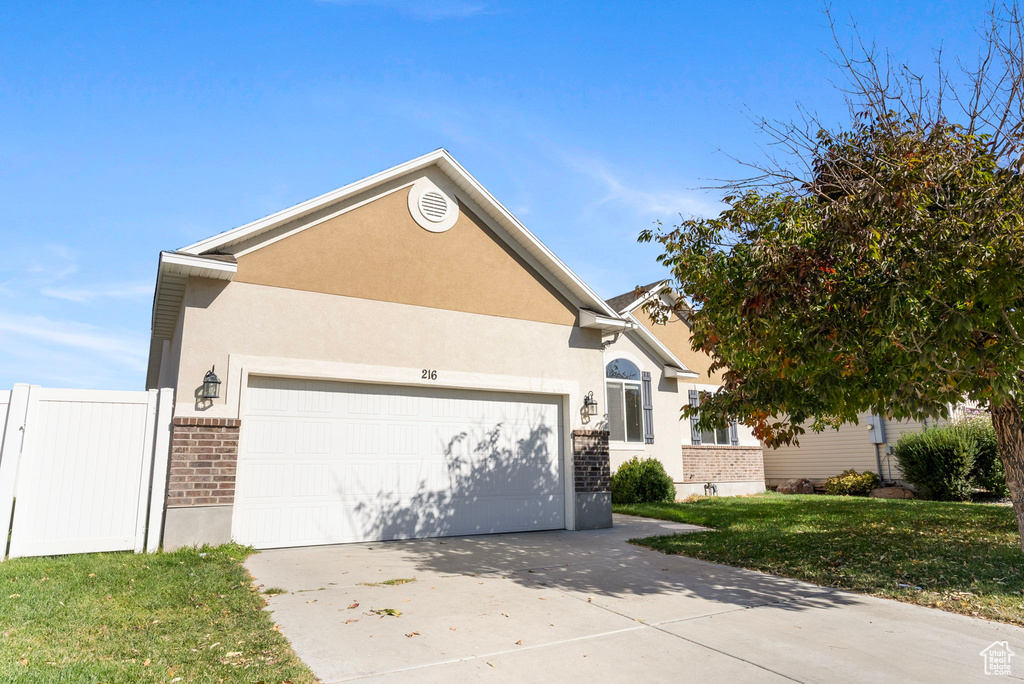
730,459
865,446
403,358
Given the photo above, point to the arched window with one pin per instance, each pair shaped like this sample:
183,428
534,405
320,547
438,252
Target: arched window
625,406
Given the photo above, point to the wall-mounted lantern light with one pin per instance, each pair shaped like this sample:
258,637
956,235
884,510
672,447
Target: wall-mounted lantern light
211,385
589,405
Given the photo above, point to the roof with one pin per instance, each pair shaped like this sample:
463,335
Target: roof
213,258
624,301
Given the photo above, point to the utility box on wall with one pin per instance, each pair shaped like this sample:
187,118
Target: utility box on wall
876,429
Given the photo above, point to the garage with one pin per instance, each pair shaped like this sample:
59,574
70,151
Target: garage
330,462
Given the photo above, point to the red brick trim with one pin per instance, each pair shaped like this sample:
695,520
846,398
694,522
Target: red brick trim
192,421
591,465
723,464
204,453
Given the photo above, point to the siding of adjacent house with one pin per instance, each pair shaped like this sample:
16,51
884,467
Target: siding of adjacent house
821,455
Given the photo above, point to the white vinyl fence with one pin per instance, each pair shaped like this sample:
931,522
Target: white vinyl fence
83,470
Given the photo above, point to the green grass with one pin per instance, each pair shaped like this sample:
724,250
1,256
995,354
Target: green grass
187,616
966,558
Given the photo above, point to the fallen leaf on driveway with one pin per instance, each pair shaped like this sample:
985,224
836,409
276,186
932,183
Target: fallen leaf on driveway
354,605
519,643
504,614
313,601
350,621
386,611
412,634
452,629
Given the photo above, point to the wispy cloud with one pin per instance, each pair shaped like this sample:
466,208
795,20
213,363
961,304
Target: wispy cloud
423,9
646,200
118,349
88,294
47,263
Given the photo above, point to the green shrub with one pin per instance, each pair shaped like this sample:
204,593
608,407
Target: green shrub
643,481
939,461
987,473
852,483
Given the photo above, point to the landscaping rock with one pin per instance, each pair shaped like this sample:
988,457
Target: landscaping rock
892,493
797,486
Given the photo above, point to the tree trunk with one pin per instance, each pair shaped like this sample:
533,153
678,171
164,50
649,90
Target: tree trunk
1009,425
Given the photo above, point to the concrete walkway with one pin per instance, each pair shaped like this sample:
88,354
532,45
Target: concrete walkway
588,607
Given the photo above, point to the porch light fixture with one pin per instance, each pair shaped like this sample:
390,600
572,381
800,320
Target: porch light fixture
589,405
211,385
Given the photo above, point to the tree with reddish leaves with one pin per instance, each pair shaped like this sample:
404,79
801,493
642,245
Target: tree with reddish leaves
879,267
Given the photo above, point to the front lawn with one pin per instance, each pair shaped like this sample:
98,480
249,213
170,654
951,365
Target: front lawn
130,618
964,558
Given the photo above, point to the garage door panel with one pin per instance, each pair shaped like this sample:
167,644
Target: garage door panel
329,462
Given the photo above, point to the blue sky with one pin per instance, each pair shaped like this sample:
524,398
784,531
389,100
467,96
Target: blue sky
127,128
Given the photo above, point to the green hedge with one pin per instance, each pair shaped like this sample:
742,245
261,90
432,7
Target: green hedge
987,473
948,463
643,481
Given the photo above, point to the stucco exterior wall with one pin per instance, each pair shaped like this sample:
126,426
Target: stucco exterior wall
743,433
666,403
377,251
240,320
675,334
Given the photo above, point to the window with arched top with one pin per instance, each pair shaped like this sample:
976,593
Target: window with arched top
625,404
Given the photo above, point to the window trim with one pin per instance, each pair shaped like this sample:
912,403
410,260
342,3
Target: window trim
624,383
697,438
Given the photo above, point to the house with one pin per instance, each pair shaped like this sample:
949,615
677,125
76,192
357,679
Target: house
402,358
866,445
729,459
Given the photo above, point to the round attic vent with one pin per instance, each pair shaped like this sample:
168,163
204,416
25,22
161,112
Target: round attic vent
433,206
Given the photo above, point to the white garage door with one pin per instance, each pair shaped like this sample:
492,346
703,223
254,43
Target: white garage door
328,462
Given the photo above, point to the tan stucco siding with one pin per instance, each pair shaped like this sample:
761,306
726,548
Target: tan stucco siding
675,334
377,251
224,319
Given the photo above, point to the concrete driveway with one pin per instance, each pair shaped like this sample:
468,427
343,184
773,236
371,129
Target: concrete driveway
588,607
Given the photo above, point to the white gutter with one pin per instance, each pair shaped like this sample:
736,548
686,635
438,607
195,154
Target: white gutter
590,319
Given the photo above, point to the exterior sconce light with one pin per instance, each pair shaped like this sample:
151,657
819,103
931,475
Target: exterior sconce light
211,385
589,405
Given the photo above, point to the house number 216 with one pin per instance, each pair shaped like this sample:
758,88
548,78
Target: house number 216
429,374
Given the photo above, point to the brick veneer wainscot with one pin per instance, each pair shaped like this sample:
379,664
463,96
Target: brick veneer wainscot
723,464
592,468
204,452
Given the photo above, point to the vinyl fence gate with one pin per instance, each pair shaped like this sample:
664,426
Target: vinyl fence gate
83,470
